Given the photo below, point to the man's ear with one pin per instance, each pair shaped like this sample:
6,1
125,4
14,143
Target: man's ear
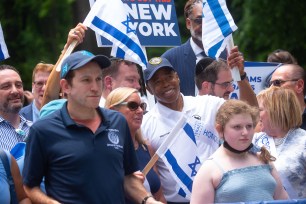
205,85
188,23
108,83
64,86
300,86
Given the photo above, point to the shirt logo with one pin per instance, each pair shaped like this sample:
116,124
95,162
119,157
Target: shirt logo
113,138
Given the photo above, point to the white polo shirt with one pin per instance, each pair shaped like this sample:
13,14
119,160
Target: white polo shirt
160,120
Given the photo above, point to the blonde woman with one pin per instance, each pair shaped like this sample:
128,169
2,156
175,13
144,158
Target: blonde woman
128,102
280,119
237,171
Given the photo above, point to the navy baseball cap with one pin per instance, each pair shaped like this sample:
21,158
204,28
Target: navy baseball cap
79,59
155,64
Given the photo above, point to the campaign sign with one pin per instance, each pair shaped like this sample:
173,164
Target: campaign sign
259,74
153,21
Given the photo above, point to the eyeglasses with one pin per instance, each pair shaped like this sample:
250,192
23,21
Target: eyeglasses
224,85
133,106
39,84
197,20
279,82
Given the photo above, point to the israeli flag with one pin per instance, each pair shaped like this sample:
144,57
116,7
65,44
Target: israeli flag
181,156
217,27
3,49
111,20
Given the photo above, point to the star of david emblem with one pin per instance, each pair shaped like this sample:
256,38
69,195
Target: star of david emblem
193,166
126,23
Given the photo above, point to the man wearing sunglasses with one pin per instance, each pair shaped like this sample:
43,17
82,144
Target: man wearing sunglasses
292,76
215,78
184,57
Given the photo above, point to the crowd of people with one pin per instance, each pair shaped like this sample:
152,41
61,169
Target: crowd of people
87,133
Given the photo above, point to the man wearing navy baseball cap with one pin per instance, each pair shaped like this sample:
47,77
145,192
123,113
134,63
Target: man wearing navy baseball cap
163,82
80,58
83,151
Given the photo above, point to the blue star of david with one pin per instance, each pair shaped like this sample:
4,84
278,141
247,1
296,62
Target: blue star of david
126,23
193,166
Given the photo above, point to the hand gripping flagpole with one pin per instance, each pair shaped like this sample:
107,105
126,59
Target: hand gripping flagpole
234,70
165,145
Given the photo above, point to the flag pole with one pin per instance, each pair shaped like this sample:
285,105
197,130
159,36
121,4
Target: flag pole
150,164
165,145
235,70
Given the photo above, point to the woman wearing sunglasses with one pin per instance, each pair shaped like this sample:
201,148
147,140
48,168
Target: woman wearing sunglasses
280,119
128,102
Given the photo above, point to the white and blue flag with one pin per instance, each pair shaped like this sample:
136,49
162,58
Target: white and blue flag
3,49
217,27
180,155
111,20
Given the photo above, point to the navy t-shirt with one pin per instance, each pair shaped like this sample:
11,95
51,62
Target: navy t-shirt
80,166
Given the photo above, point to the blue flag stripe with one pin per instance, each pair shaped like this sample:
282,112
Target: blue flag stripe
1,53
214,49
182,193
124,39
178,170
120,53
219,15
189,131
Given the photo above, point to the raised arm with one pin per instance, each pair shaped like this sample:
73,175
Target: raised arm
53,87
246,93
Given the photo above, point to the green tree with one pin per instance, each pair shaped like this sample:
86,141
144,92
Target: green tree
266,25
34,31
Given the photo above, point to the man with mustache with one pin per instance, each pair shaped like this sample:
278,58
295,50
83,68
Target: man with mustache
13,127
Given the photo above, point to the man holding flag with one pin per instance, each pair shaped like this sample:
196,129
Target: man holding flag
163,82
184,57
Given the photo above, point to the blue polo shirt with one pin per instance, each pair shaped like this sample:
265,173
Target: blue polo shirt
80,166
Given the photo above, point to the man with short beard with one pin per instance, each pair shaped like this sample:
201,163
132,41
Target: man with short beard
13,127
184,57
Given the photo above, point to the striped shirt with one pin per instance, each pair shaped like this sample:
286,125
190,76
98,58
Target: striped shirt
10,136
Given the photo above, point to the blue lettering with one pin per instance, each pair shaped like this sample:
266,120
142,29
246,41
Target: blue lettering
234,96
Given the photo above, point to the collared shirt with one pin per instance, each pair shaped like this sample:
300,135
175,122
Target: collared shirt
35,112
10,136
80,166
197,50
160,120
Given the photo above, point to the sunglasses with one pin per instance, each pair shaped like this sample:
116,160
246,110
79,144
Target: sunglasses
224,84
133,106
279,82
197,20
